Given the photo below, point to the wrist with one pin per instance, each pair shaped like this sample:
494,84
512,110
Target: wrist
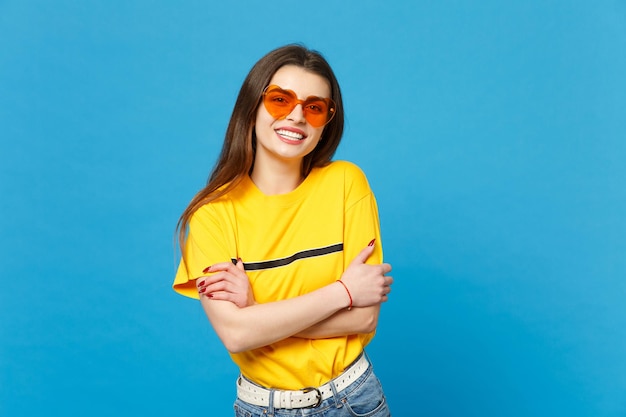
347,292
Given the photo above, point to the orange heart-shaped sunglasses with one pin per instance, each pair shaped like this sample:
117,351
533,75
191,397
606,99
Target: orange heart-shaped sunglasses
279,103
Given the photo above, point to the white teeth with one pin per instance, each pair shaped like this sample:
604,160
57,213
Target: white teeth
289,134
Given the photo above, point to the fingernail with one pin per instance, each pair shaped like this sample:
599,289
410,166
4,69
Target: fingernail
210,295
202,290
201,283
372,242
207,269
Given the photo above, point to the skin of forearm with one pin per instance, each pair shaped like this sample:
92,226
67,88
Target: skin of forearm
359,320
242,329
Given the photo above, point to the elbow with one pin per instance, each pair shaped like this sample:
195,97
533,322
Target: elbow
240,339
232,349
233,330
231,345
237,341
370,322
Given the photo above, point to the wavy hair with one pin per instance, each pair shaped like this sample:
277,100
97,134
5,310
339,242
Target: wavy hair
236,159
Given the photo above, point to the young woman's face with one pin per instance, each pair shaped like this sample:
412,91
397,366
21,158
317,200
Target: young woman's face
291,138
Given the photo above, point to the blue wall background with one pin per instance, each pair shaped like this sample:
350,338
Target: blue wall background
492,133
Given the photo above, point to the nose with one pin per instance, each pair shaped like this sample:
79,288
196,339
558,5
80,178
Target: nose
297,114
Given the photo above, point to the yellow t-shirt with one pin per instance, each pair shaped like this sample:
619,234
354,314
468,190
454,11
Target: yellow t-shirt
291,244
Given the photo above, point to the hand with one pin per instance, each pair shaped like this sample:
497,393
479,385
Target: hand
368,285
227,282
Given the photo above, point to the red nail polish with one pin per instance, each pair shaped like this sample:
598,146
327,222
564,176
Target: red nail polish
210,295
201,283
372,242
202,290
207,269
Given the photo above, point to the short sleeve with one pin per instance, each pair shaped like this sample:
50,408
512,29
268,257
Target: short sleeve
361,217
204,246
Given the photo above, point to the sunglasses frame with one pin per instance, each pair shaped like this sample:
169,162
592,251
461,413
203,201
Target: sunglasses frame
332,107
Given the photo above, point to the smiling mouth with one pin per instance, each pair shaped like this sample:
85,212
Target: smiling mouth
288,134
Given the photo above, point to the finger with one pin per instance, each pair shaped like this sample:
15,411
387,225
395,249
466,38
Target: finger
225,286
222,296
237,269
221,285
222,266
240,265
228,296
218,286
363,255
212,279
386,268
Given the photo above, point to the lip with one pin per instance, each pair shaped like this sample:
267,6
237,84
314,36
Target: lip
291,129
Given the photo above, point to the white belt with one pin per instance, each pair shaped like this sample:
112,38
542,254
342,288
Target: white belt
306,397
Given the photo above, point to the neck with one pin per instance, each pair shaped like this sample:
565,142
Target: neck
276,179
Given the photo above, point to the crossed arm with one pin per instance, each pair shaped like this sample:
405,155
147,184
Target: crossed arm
242,324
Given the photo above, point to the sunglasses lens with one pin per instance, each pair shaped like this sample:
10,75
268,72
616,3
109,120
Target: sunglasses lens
279,103
316,111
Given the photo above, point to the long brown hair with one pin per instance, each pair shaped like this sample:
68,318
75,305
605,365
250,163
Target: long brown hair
237,156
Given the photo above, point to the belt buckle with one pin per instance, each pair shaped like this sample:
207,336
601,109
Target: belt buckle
318,394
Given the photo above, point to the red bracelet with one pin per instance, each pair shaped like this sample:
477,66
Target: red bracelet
348,291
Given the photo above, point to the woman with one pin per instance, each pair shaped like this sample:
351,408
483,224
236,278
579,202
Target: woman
276,247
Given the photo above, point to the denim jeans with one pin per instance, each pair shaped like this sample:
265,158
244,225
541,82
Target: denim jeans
363,398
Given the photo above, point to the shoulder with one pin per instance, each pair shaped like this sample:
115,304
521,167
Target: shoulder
346,169
226,197
205,217
212,211
347,175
